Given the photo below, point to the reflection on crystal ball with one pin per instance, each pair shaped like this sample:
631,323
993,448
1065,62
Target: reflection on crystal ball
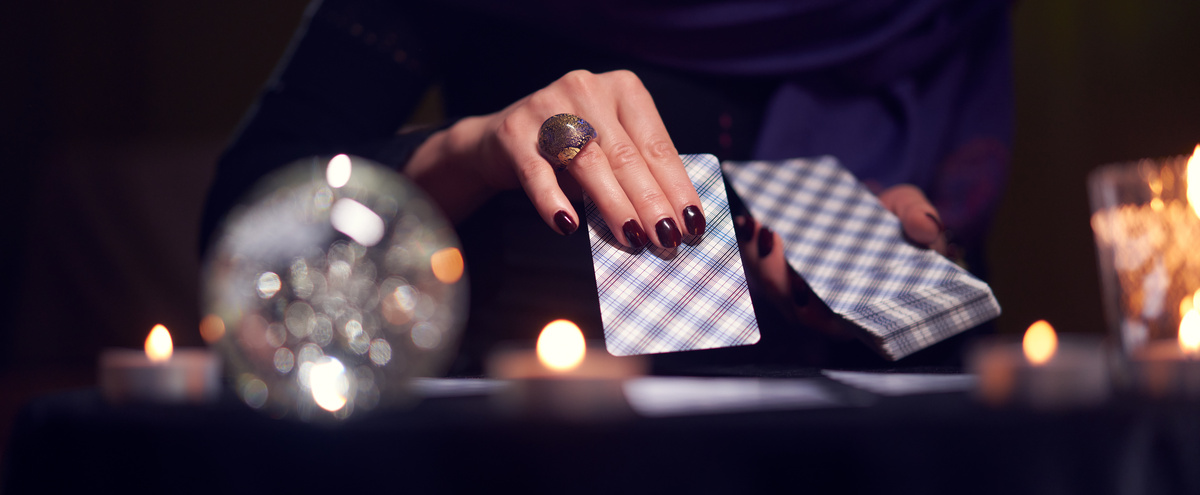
334,282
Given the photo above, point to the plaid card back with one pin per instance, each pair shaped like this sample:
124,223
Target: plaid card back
691,297
851,251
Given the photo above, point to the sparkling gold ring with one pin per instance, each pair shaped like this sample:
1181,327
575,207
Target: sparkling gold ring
562,137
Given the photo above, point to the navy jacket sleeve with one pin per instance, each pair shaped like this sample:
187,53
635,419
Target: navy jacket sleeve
353,75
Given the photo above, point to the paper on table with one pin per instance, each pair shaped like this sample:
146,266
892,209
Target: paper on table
899,384
456,387
679,396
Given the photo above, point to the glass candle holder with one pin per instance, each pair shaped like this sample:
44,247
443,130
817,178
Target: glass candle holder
1147,229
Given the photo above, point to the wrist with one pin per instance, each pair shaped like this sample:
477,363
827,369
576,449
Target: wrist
447,167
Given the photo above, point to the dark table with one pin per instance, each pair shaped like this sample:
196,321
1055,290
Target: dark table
938,443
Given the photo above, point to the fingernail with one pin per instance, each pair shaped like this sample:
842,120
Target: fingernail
938,221
766,242
694,220
634,233
564,222
799,287
743,226
668,233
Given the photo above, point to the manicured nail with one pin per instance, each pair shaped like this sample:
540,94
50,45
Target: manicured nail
668,233
564,222
694,220
634,233
799,287
938,221
743,226
766,242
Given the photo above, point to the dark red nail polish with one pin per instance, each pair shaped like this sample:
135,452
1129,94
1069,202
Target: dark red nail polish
743,226
564,222
635,234
694,220
766,242
938,221
668,233
798,287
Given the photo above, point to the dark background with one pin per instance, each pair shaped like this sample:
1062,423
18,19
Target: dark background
112,115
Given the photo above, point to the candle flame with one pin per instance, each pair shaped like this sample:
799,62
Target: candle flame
1193,180
561,347
1040,342
158,344
1189,333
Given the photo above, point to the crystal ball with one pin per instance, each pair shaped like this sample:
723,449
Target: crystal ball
335,282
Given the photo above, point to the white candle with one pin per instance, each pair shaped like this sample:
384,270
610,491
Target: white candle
159,373
1044,372
563,378
1171,369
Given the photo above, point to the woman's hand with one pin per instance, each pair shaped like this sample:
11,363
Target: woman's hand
631,170
786,291
920,220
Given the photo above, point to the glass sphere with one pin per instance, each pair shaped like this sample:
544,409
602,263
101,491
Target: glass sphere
335,282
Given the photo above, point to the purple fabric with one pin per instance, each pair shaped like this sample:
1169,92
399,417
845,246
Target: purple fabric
900,91
758,37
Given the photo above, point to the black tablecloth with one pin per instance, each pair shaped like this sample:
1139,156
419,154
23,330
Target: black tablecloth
942,443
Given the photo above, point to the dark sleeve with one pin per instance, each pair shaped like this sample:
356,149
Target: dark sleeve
353,74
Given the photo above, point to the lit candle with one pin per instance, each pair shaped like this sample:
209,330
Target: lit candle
562,378
1171,369
1044,372
159,373
1146,218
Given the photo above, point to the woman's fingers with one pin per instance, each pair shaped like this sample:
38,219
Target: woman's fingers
767,267
590,167
644,126
599,97
535,176
630,170
593,171
615,156
919,218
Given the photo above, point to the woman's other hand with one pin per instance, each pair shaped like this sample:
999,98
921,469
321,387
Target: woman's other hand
920,220
788,293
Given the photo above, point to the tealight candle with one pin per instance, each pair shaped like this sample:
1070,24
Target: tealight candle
1044,372
160,373
1166,369
562,378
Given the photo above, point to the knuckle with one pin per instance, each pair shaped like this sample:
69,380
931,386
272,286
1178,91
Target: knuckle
588,159
659,148
578,73
509,129
527,171
541,99
578,80
624,156
652,196
626,78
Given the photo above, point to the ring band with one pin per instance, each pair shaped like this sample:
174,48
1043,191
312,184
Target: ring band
562,137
